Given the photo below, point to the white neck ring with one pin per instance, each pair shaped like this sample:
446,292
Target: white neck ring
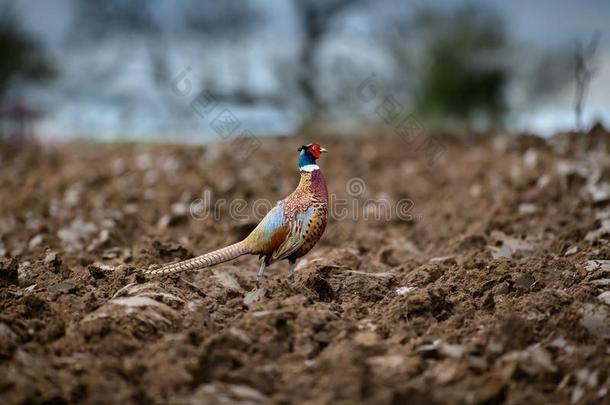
309,168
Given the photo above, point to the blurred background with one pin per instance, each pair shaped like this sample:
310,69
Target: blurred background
196,71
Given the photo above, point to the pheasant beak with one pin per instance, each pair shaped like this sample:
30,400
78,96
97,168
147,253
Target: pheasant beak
322,150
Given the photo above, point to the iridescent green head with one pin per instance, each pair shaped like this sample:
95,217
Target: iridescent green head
308,154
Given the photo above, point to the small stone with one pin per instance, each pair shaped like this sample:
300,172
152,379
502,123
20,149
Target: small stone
227,281
51,259
30,289
577,394
503,289
367,339
35,241
448,371
596,234
596,319
76,234
246,394
562,344
443,260
500,252
451,350
603,265
389,362
135,302
587,377
604,297
179,209
24,270
26,359
572,250
253,296
525,281
53,262
102,238
527,209
510,246
366,324
65,287
394,364
163,222
99,270
405,290
599,192
496,346
475,190
429,349
477,363
116,253
533,360
543,181
530,158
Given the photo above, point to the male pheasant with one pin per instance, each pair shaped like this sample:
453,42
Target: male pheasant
288,231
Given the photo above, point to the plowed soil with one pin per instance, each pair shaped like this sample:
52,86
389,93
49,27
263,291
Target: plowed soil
491,285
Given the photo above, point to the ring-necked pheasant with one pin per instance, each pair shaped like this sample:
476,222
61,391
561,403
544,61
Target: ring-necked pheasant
288,231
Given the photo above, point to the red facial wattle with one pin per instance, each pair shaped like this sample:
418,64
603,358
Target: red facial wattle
315,150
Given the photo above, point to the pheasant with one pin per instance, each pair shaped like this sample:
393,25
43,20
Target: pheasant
288,231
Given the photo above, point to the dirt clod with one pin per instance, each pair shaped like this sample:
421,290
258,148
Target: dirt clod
8,272
491,288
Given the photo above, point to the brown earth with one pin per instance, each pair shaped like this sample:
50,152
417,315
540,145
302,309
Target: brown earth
491,286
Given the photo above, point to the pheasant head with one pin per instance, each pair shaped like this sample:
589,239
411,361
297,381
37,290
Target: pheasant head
308,154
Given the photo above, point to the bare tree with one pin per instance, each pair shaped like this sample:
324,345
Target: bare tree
583,72
96,21
125,24
316,16
222,20
235,19
23,56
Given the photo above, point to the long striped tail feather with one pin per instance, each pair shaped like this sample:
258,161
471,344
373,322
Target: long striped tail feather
200,262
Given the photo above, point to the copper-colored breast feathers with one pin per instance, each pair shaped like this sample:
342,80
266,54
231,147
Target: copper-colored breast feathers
296,223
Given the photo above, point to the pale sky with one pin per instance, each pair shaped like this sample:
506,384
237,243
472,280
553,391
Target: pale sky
544,24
